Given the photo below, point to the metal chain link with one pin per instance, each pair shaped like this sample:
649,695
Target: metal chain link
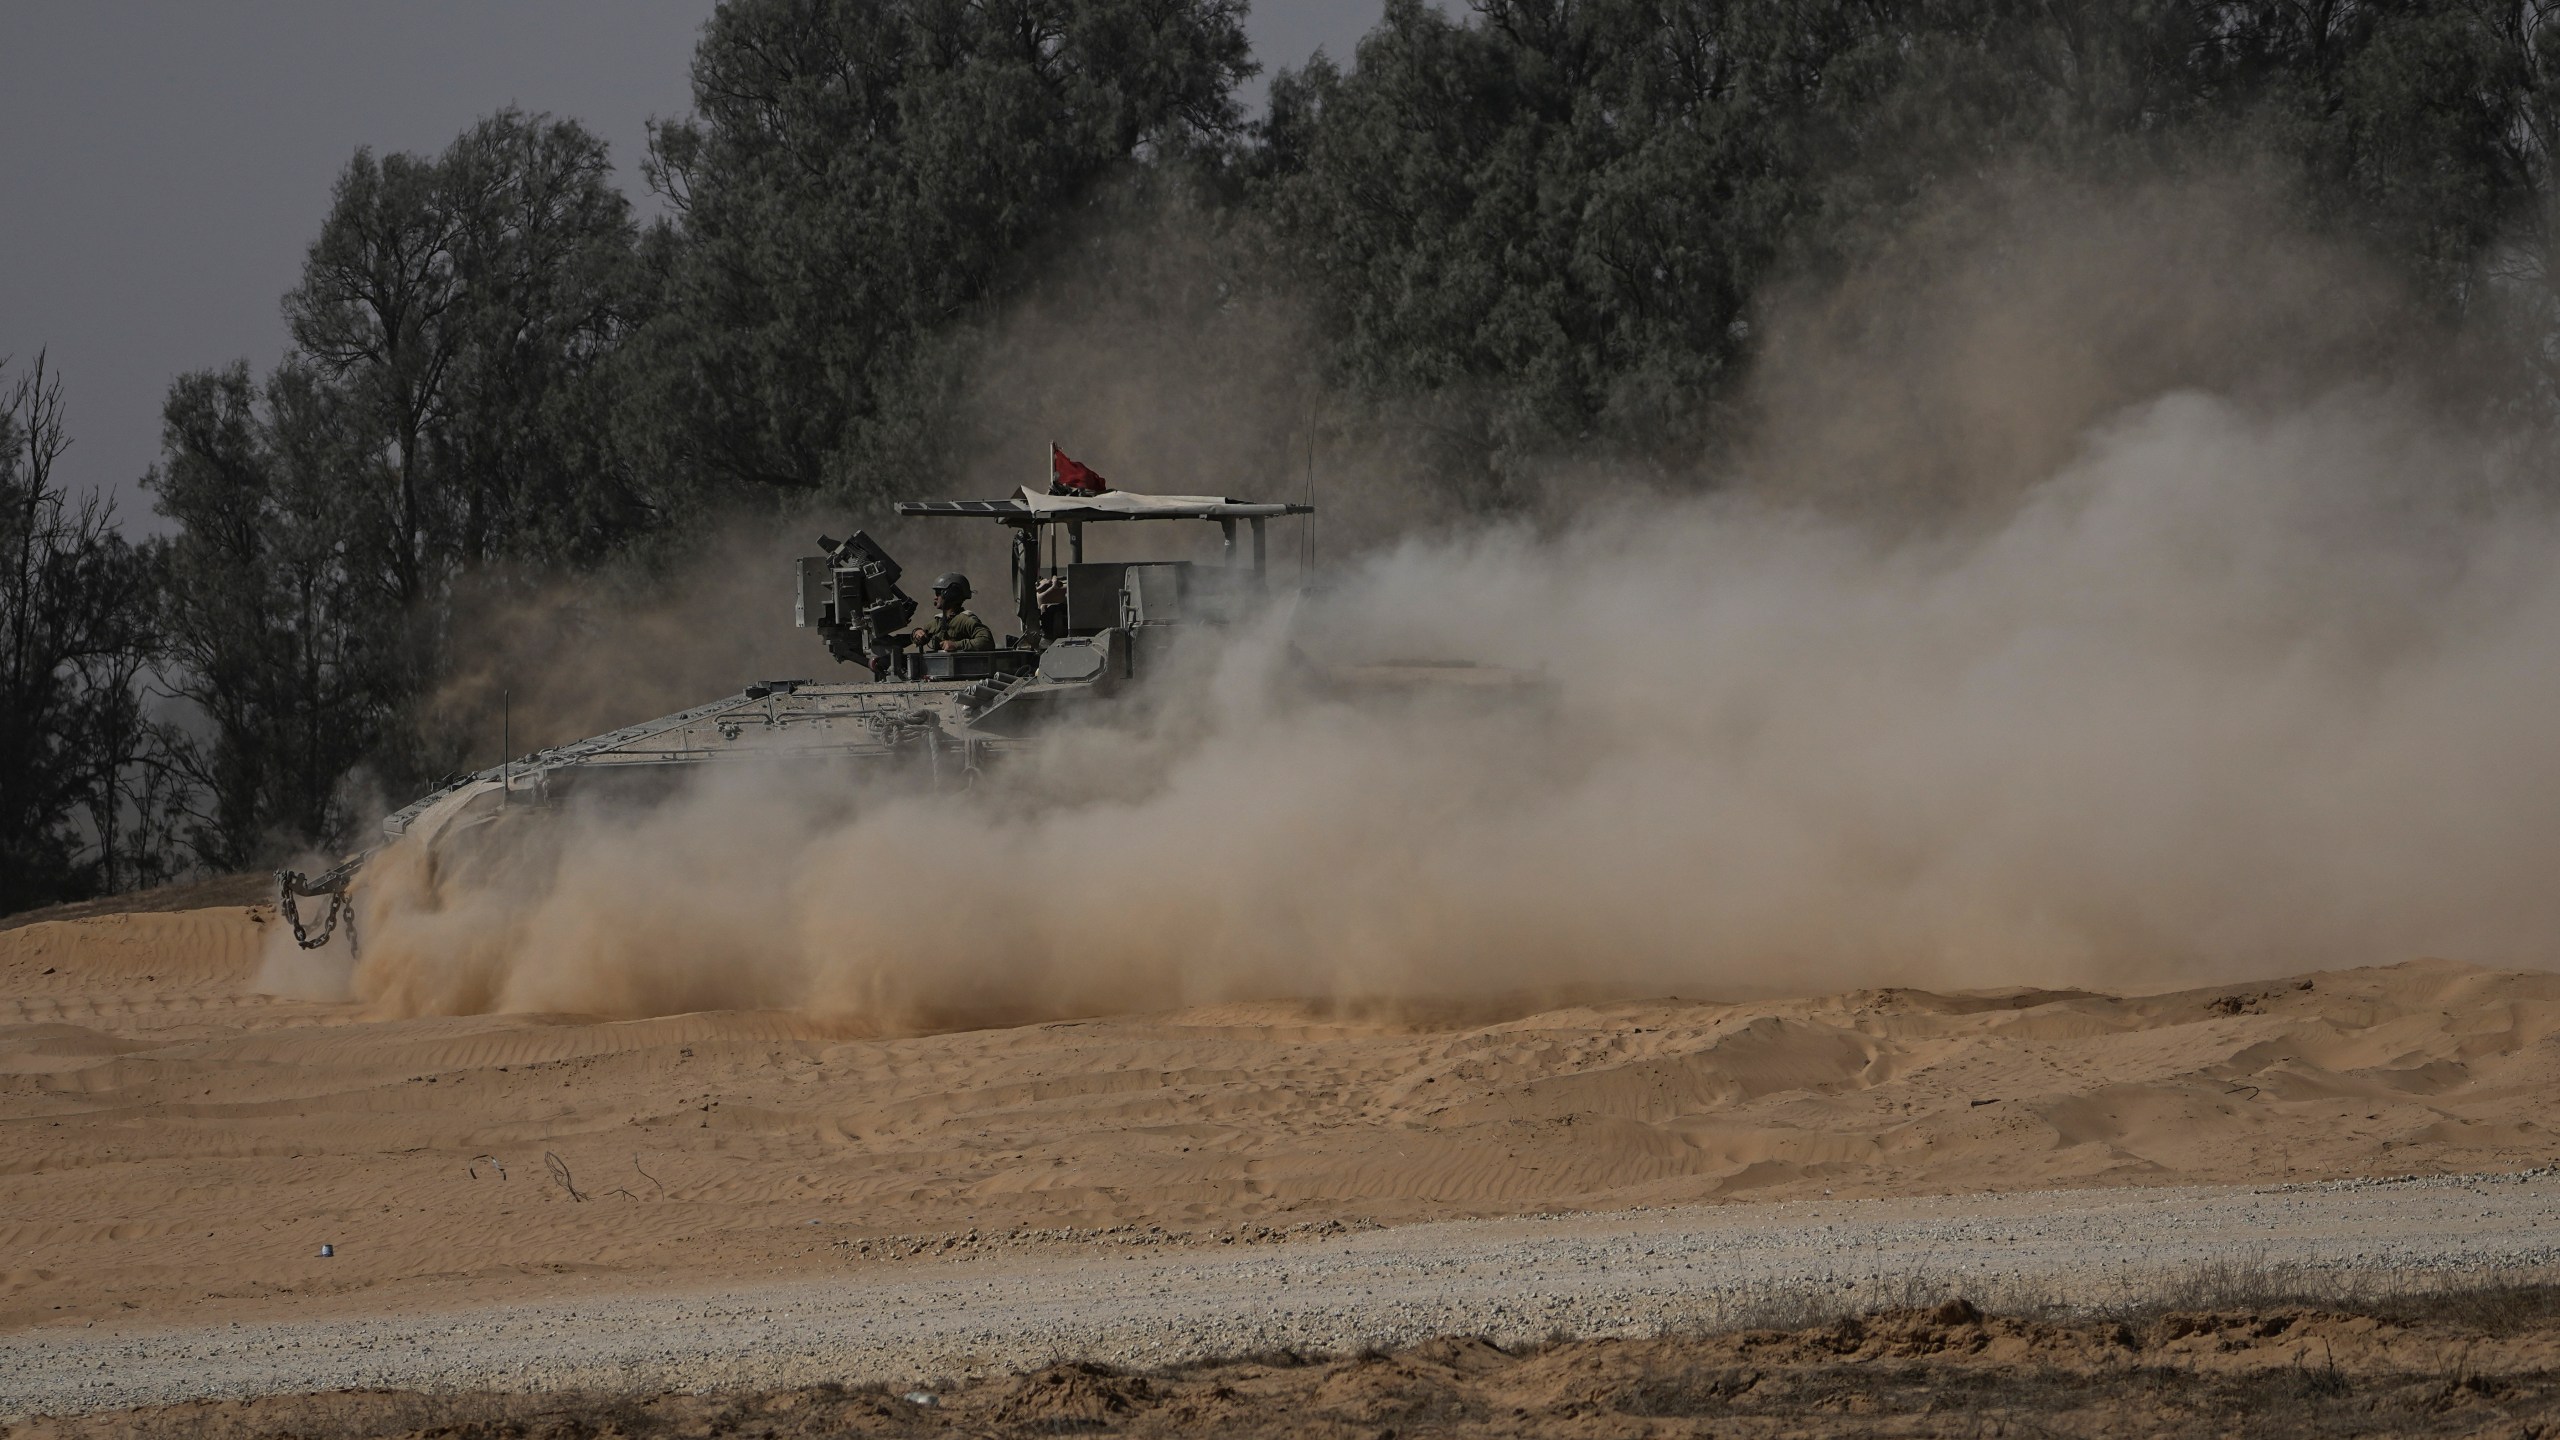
293,883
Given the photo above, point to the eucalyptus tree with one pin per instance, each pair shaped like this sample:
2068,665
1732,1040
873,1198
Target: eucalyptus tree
282,640
441,426
1542,227
463,307
861,177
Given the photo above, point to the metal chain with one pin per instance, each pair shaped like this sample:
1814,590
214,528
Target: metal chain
338,909
333,884
894,728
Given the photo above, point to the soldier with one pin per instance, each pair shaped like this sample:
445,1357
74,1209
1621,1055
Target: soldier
954,628
1051,596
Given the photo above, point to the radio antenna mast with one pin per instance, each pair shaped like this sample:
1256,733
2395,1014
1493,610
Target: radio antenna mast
1307,533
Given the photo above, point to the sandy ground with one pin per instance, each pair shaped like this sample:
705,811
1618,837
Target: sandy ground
179,1147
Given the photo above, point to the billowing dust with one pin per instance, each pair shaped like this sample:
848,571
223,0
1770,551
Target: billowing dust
2210,669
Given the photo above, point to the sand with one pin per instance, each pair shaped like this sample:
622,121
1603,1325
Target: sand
180,1147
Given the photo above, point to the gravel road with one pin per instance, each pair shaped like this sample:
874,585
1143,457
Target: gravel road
1619,1273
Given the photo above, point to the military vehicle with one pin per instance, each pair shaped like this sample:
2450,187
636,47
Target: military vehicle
1088,633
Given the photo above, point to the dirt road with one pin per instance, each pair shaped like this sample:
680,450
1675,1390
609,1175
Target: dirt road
969,1306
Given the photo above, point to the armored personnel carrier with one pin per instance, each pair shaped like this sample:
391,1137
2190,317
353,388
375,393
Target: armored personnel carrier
1084,634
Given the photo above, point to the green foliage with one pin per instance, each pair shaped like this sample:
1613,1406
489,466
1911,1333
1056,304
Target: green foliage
863,175
1547,226
288,637
445,422
466,309
545,264
1552,218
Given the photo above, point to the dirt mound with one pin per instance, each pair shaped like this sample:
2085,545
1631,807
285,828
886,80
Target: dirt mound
242,889
1065,1397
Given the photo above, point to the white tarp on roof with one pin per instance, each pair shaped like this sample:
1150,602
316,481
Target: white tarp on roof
1119,501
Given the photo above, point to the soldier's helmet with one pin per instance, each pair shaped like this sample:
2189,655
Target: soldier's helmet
954,582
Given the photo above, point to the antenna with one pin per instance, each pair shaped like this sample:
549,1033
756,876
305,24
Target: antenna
1307,531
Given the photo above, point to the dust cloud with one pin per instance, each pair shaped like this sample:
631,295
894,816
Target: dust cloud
2150,644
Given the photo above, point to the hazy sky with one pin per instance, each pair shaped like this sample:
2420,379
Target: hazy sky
167,161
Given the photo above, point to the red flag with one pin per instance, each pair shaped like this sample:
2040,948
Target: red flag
1069,477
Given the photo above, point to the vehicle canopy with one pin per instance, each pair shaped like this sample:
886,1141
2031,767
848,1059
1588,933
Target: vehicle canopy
1029,512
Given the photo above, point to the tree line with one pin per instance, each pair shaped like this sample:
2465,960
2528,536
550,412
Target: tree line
1534,229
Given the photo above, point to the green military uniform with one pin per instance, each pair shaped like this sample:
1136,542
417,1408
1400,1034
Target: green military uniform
964,630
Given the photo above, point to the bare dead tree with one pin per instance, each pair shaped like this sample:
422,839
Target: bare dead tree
80,782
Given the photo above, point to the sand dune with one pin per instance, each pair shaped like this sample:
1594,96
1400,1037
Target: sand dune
180,1144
